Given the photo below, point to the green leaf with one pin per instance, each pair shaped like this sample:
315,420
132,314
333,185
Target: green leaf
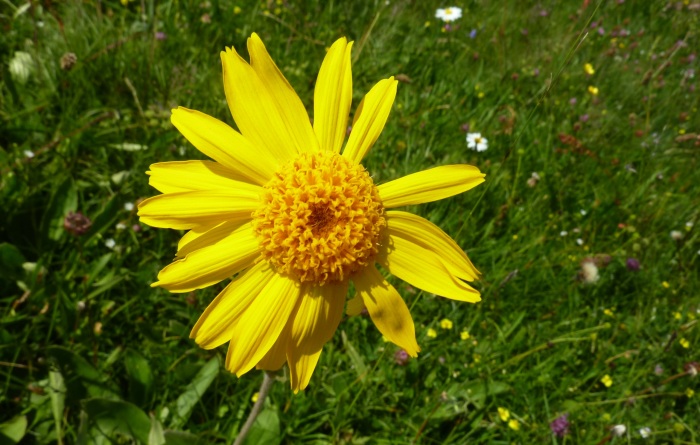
182,438
63,200
82,380
156,435
13,430
140,376
11,260
356,359
105,219
57,393
194,391
110,417
266,429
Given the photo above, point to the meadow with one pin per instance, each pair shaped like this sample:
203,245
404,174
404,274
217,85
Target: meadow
585,231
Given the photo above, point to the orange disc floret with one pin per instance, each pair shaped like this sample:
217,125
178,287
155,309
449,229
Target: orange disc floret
320,218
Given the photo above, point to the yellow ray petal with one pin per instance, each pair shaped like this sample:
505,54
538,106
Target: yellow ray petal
213,263
276,357
333,96
215,326
187,210
423,269
201,237
288,103
370,119
355,306
427,235
387,309
183,176
316,320
430,185
225,145
259,327
254,109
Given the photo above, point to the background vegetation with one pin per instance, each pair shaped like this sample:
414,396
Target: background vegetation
89,353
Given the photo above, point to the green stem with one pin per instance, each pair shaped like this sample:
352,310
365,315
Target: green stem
268,379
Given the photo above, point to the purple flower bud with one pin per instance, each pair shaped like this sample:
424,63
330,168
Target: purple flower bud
583,118
401,357
560,425
160,35
472,34
465,127
573,101
632,264
76,224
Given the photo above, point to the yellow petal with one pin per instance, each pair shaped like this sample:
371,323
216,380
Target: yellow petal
276,357
288,103
213,263
423,269
316,320
333,96
215,326
183,176
430,185
355,306
254,109
201,237
370,119
387,309
225,145
427,235
259,327
187,210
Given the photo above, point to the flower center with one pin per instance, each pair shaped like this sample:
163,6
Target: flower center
320,218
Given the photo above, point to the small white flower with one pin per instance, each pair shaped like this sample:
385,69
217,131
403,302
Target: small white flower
110,243
583,212
28,154
129,206
579,241
448,14
645,432
618,430
676,235
689,224
120,226
476,142
563,233
589,272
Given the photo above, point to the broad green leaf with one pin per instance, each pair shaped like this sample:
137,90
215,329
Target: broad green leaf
13,430
57,393
11,260
194,391
140,376
266,429
156,435
110,417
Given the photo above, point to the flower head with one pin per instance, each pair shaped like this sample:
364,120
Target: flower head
593,90
645,432
503,413
607,381
476,142
560,425
446,323
76,223
448,14
401,357
513,424
632,264
618,430
294,216
588,68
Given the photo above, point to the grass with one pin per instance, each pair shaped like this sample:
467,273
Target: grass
89,353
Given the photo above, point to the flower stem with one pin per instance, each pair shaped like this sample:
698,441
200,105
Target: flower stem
268,379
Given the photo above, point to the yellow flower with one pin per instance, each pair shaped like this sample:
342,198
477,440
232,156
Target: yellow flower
588,68
464,335
446,323
432,333
677,315
593,90
684,342
237,10
254,398
295,218
514,424
665,284
689,393
607,381
503,413
609,312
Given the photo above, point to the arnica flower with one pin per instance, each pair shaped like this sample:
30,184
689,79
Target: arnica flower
448,14
293,218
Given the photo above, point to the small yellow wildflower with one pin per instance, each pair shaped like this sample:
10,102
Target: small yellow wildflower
237,10
514,424
665,284
606,417
503,413
681,131
607,381
588,68
477,358
432,333
255,397
480,95
427,24
593,90
515,237
689,393
684,342
464,334
609,312
677,315
446,323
